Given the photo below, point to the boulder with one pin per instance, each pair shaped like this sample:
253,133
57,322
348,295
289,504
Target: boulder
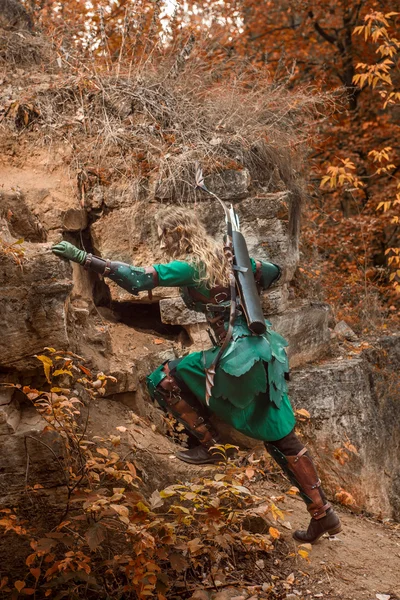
229,185
305,327
30,456
21,221
174,311
10,415
344,332
74,219
33,304
45,200
354,428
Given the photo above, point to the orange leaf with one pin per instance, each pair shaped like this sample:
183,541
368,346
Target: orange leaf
31,559
19,585
28,591
3,582
85,370
274,533
158,341
249,473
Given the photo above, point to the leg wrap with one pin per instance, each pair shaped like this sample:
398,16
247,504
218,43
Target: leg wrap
301,472
184,406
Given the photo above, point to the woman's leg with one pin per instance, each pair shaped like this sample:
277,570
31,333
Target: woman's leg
168,389
293,457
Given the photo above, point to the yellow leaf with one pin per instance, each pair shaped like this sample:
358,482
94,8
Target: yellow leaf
276,512
47,365
302,412
303,554
62,372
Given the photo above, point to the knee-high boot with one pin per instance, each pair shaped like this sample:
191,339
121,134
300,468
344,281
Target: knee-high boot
187,410
301,471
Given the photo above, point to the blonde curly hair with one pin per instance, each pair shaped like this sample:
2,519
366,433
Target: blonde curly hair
186,238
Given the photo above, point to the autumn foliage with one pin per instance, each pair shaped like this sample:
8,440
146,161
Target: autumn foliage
348,49
110,539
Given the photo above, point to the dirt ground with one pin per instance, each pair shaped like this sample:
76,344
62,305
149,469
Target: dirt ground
359,563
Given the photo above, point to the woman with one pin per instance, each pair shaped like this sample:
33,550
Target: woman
250,391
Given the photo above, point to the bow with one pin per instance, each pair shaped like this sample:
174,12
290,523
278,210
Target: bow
232,224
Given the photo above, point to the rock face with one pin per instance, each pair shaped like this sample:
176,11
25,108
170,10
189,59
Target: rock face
32,307
355,425
27,451
49,303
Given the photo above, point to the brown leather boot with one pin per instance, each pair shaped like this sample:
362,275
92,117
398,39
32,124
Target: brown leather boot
200,455
323,517
330,523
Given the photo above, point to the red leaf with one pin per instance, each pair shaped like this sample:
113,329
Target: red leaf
35,573
85,370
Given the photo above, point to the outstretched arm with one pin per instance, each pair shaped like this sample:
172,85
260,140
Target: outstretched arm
130,278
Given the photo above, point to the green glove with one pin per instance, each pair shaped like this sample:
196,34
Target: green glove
70,252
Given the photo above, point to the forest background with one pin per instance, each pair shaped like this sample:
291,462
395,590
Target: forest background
346,55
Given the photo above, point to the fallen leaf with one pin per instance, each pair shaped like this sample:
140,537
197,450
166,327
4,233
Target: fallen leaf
249,473
195,545
274,533
178,562
302,412
102,451
156,501
158,341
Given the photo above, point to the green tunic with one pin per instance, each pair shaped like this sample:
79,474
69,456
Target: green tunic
250,390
